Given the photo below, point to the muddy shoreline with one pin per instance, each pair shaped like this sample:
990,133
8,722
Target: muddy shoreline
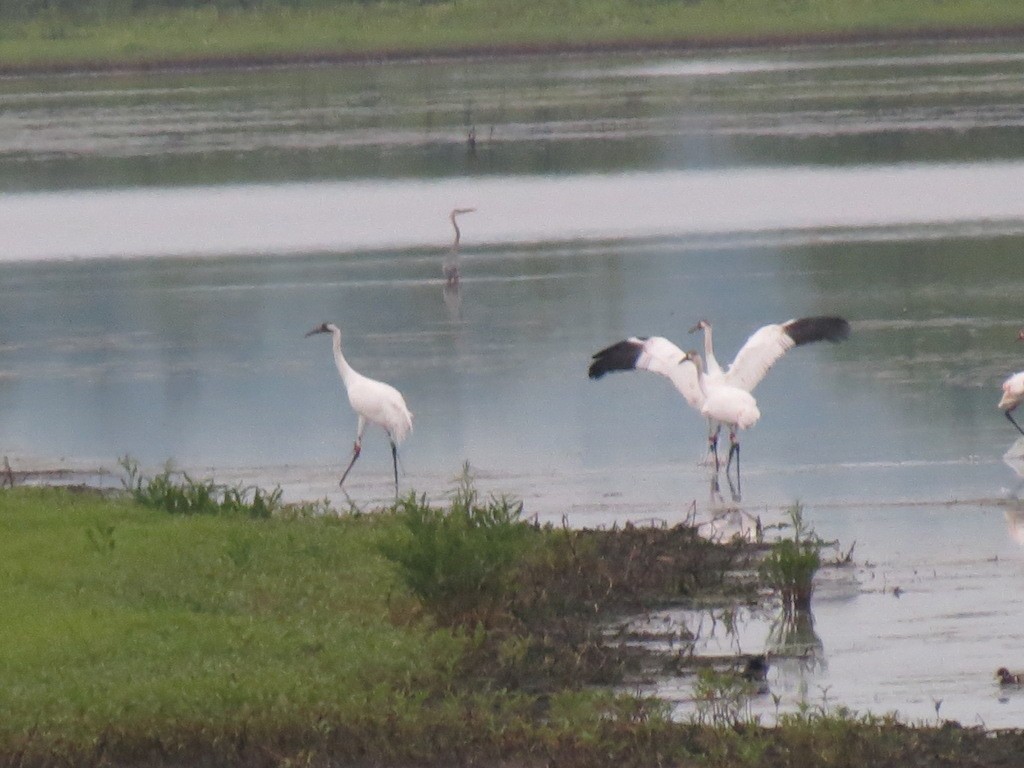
517,50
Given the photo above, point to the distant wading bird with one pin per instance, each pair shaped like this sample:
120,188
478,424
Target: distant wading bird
451,262
1006,677
723,397
1013,392
373,401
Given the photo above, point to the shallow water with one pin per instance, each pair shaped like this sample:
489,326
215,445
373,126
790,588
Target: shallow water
915,623
168,239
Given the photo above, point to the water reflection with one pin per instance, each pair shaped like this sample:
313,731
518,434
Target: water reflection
1015,524
452,296
345,217
1014,513
1014,459
716,499
797,651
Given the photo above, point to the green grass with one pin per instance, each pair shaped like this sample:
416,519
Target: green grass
119,617
402,27
460,562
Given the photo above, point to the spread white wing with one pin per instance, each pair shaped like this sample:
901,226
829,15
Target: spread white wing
771,342
655,354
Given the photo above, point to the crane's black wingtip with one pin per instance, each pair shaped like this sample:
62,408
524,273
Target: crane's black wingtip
821,328
620,356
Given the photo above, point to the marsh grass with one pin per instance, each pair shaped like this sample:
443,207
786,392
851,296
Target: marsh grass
178,493
459,561
99,32
723,699
791,563
530,600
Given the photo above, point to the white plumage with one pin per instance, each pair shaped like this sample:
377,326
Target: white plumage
373,401
1013,392
721,396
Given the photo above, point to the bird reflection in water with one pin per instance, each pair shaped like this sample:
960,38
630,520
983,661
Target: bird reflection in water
453,301
735,489
795,649
728,521
1014,511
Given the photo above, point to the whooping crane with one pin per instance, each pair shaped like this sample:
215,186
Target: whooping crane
723,397
451,262
1013,392
746,366
373,401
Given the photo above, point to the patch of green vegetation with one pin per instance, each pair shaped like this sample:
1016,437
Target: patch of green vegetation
533,601
132,636
107,32
791,563
146,626
135,633
177,493
459,562
723,698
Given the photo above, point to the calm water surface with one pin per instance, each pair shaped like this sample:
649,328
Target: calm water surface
168,239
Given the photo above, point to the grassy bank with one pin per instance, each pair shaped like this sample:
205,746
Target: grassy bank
356,31
188,623
121,623
168,630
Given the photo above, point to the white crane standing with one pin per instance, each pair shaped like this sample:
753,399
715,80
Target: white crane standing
451,262
1013,392
373,401
721,396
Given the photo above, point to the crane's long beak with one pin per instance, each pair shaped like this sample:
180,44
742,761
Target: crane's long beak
695,328
318,329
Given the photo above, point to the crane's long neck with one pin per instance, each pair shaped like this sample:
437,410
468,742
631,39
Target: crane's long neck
458,234
709,353
346,370
701,379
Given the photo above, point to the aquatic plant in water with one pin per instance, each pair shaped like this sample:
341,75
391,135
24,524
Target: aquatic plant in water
791,563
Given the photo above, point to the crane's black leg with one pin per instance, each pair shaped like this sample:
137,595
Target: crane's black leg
394,459
734,448
713,444
1012,421
355,455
